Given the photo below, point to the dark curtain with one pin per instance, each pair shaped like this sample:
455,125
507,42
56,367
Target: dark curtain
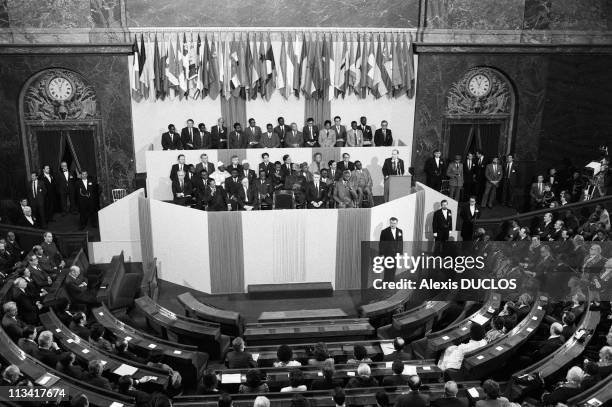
82,144
233,111
487,136
460,139
318,109
50,148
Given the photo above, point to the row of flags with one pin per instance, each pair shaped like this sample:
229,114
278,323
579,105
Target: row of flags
249,66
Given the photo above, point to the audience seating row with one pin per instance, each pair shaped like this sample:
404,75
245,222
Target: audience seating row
231,322
388,305
598,395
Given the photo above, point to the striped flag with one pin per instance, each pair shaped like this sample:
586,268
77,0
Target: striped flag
281,69
142,69
295,49
228,67
380,89
158,71
371,64
135,81
270,70
214,87
398,69
409,83
251,70
387,64
342,64
263,72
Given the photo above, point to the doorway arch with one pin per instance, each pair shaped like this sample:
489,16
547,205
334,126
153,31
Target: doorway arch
479,118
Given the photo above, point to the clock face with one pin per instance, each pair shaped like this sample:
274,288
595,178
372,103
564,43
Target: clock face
479,85
60,89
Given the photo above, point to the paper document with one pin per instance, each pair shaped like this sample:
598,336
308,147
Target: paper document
124,370
230,378
387,348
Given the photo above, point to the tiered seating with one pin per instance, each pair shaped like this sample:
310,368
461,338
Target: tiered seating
379,309
231,322
206,335
295,331
67,242
57,290
598,395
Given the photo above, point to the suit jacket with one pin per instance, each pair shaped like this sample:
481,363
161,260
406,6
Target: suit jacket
344,194
294,140
76,292
368,137
492,174
535,193
189,144
512,177
388,167
218,136
28,346
210,168
362,179
380,140
433,170
237,139
442,225
49,357
207,141
268,168
270,141
216,201
63,186
547,347
39,276
340,134
264,191
469,174
28,311
313,167
354,138
417,399
281,132
49,184
390,245
171,141
253,136
345,166
232,186
285,171
455,174
250,198
311,139
239,360
51,250
395,380
251,175
13,327
41,193
327,138
449,402
230,167
336,174
467,224
198,185
23,221
186,190
313,195
175,169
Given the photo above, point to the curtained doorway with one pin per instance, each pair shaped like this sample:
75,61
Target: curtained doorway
469,137
75,146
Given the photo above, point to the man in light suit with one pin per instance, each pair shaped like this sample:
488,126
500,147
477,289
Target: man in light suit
171,140
316,193
383,136
317,163
294,138
204,165
354,137
362,181
190,136
237,139
253,134
345,194
327,136
390,244
281,130
270,139
537,192
493,174
455,174
218,134
311,134
442,224
340,132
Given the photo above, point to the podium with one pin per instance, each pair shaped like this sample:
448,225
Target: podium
397,186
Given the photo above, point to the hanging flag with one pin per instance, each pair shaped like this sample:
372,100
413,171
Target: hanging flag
379,70
181,61
409,68
327,77
136,91
263,69
318,78
213,70
252,77
150,68
340,64
270,70
281,68
398,68
206,67
200,67
387,64
142,69
351,74
163,66
228,66
293,71
371,64
158,80
221,57
358,67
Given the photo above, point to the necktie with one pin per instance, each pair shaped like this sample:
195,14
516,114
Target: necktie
191,134
508,171
469,164
317,186
384,132
457,166
34,188
181,185
494,168
540,187
394,166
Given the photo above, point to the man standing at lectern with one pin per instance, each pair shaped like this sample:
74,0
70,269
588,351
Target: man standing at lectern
392,166
391,243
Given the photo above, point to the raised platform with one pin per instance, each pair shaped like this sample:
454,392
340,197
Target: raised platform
294,290
302,315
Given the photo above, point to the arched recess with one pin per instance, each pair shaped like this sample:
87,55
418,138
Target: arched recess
480,112
60,119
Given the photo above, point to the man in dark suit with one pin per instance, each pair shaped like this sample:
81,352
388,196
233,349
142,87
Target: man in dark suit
493,176
263,187
253,134
434,170
310,132
234,165
198,188
266,165
481,167
282,130
12,325
383,136
179,166
215,197
270,139
49,181
78,289
392,166
182,190
205,136
414,398
366,130
218,134
238,358
27,219
246,197
27,342
316,193
37,196
171,140
398,354
469,176
232,184
441,225
510,182
50,249
450,398
237,139
26,305
286,168
65,189
247,172
397,379
87,193
190,136
48,352
390,244
340,130
536,193
346,163
204,165
469,214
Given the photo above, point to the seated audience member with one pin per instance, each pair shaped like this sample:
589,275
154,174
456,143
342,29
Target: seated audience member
296,382
62,310
78,289
284,356
78,325
42,280
453,355
591,375
354,136
11,376
94,375
264,190
220,175
232,184
98,340
316,193
523,306
569,325
12,245
171,140
127,385
492,395
320,355
246,197
398,378
48,352
496,331
360,355
339,397
205,136
450,398
383,136
66,365
398,345
238,358
340,132
28,220
270,139
363,379
234,165
508,316
156,357
225,400
345,195
382,399
276,178
52,252
253,383
327,136
237,138
554,342
10,323
247,172
209,384
333,173
266,165
294,138
304,173
261,401
179,166
414,398
7,264
346,163
311,133
122,350
28,307
327,382
27,342
198,188
182,190
215,197
566,390
317,164
362,181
